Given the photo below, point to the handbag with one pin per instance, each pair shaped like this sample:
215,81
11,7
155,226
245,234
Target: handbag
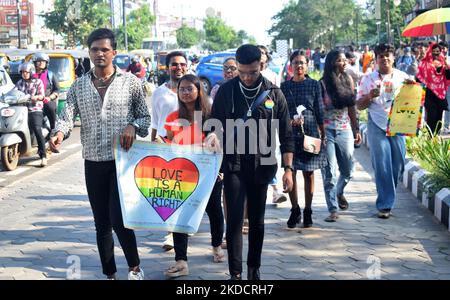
311,144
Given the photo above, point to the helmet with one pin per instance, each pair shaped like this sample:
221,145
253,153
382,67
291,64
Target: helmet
40,56
27,67
135,59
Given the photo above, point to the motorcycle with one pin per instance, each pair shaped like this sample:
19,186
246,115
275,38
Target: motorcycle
16,140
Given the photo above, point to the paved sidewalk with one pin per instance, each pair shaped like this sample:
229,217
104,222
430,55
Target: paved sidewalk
46,226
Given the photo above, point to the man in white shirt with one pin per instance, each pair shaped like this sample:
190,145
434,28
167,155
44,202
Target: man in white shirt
165,100
387,153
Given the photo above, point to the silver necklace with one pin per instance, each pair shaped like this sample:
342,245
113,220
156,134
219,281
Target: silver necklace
252,98
103,79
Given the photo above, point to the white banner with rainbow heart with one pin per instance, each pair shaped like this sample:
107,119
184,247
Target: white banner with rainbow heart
165,186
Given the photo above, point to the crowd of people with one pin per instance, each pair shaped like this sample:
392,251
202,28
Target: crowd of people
324,111
427,63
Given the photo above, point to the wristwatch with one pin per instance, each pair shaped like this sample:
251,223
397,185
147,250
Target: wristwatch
135,125
288,168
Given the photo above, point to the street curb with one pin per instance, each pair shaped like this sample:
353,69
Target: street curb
414,180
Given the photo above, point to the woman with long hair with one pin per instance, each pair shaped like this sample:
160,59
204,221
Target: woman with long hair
341,128
183,128
432,72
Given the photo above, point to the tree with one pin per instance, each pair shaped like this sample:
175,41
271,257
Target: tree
139,23
187,36
242,37
218,35
309,24
93,14
396,14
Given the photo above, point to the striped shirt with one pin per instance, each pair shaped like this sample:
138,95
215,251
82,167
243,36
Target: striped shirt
124,104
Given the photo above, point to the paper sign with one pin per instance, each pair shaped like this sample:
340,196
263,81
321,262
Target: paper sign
405,117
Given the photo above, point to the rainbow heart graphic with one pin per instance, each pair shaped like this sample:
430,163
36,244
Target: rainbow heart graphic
166,184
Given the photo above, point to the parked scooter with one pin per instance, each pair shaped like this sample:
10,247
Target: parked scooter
15,137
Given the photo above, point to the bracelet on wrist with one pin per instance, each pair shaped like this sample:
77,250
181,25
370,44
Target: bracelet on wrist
288,168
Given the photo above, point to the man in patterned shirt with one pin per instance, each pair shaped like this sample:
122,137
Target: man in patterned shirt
110,103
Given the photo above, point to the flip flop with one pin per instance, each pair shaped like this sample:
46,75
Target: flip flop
177,270
331,218
342,202
218,255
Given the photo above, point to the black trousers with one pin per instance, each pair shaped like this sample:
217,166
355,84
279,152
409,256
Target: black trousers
215,214
101,184
50,112
35,124
434,114
237,188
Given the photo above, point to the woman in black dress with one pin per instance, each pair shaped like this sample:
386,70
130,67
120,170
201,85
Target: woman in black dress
303,90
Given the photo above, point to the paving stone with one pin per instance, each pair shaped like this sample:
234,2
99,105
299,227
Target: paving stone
46,224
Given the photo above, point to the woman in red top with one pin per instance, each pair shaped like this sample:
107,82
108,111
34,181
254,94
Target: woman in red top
433,72
182,128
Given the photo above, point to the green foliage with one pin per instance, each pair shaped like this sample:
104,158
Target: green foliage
304,20
363,116
187,36
139,24
219,36
396,14
433,154
316,75
93,14
243,38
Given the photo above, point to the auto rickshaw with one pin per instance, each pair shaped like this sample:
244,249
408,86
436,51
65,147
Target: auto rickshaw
161,69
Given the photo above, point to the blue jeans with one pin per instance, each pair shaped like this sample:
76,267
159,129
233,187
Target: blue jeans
388,160
340,147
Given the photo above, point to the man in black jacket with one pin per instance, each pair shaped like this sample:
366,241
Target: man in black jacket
249,163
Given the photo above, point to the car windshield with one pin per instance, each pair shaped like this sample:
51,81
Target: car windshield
60,68
122,61
14,67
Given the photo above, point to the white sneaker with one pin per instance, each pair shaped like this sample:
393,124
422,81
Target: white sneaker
136,275
43,162
278,198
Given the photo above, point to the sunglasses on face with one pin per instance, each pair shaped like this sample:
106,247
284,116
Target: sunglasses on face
174,66
229,68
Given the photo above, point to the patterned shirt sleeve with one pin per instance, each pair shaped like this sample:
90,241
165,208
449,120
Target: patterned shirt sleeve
66,117
318,103
40,91
155,112
139,109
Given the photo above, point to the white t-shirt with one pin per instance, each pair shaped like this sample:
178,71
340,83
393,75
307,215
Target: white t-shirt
164,101
380,107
